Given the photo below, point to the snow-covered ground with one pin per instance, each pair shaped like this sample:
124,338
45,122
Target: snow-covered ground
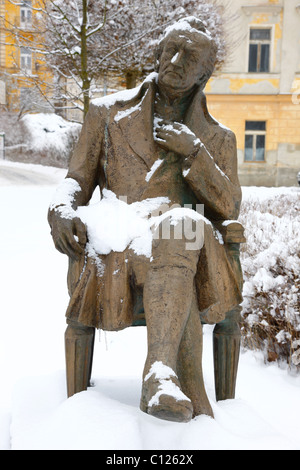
34,411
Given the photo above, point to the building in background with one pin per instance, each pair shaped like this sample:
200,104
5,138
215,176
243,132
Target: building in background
23,69
2,55
257,95
26,83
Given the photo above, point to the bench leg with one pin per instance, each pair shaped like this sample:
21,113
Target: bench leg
226,347
79,347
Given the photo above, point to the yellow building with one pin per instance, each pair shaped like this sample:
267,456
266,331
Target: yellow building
21,64
257,94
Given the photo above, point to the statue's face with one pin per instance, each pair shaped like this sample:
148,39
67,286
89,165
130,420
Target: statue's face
183,59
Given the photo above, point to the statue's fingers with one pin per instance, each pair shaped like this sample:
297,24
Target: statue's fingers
75,245
80,231
177,125
72,248
163,134
159,136
63,247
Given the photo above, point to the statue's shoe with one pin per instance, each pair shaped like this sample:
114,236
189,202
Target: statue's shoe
162,396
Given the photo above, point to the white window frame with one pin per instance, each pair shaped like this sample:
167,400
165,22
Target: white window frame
255,133
26,60
26,13
271,27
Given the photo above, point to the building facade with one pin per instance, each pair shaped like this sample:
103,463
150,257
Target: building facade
257,94
22,65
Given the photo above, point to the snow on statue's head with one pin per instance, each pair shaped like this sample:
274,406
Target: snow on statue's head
193,30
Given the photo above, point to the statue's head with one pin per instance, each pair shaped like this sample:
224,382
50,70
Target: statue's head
186,55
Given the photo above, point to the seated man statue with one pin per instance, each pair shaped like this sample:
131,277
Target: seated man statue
156,141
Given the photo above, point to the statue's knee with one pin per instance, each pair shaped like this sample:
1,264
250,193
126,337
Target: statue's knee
176,252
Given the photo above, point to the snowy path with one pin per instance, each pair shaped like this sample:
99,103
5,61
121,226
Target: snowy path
18,176
21,174
34,412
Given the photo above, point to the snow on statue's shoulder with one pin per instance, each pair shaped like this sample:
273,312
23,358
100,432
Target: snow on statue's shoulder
152,77
124,95
223,127
110,100
219,124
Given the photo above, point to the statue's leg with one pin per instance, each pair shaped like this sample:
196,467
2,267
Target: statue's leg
189,364
168,295
226,347
167,309
79,346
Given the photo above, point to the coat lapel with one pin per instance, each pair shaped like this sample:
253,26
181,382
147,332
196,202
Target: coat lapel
136,123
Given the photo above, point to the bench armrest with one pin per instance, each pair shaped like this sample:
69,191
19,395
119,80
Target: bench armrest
232,231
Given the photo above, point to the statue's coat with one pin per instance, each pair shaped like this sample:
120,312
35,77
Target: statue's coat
116,150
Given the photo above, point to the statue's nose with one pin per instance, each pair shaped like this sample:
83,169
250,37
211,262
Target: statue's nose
176,60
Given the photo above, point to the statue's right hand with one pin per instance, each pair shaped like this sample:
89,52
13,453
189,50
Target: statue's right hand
69,235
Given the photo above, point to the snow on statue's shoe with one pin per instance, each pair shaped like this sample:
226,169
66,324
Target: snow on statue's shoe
162,396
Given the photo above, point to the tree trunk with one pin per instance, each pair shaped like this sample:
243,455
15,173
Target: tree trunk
131,77
84,69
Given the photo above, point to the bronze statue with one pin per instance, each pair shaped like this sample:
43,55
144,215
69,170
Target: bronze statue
159,141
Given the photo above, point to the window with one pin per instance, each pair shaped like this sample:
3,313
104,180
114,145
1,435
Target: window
25,97
259,50
25,60
255,141
26,14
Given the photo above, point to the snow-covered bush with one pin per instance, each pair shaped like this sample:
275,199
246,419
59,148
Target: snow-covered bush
43,138
271,266
13,128
51,138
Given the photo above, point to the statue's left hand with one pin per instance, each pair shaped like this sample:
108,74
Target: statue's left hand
176,137
69,234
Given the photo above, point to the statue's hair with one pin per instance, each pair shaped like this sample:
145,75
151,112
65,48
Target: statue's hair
194,26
